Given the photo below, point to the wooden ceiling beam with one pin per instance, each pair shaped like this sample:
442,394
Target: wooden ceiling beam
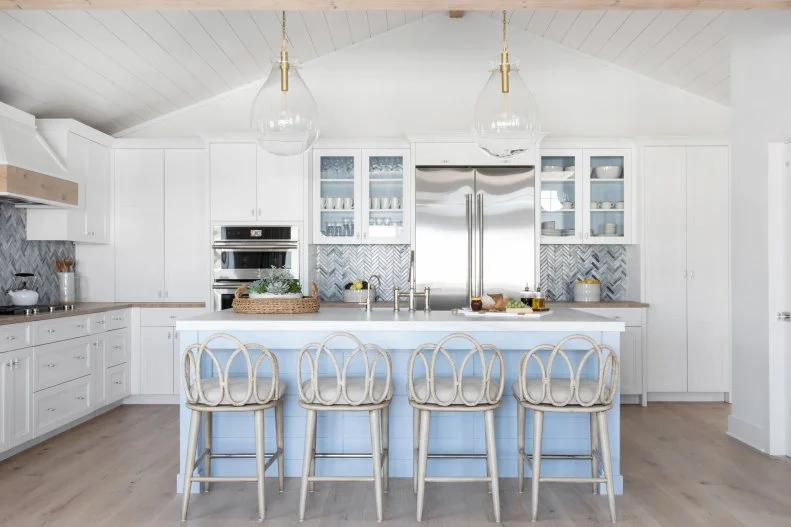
408,5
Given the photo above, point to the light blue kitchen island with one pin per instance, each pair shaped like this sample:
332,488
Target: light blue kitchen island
400,333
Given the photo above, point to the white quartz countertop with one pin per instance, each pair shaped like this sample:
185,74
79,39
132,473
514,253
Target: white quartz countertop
385,319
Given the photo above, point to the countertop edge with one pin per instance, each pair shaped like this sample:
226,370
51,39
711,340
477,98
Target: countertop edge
91,308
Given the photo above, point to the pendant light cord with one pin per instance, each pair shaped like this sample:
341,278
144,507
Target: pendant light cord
505,40
284,65
283,28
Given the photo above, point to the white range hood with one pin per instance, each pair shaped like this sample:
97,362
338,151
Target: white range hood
30,172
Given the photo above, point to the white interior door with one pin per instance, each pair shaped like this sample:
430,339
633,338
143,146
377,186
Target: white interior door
187,274
708,264
665,268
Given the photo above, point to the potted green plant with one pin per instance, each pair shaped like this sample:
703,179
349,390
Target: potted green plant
275,283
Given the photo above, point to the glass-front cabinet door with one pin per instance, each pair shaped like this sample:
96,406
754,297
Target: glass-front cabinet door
561,196
385,197
607,176
337,177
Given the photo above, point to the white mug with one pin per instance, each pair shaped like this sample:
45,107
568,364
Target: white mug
606,204
619,204
325,203
395,203
338,203
595,204
348,203
385,203
376,203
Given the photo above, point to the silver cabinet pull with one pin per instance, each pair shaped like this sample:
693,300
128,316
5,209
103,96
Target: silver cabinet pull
100,322
479,290
259,212
118,319
51,365
80,397
50,409
172,316
159,294
117,382
50,331
79,357
118,347
10,337
9,364
15,362
96,344
81,326
169,336
252,212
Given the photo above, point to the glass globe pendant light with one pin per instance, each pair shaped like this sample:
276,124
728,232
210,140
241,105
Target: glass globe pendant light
284,116
506,121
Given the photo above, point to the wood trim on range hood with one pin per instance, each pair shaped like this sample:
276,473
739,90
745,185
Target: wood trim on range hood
21,185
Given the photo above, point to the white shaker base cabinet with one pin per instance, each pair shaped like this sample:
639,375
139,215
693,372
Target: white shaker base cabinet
687,262
156,361
16,398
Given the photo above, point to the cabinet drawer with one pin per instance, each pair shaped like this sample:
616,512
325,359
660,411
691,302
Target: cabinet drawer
168,316
63,361
117,382
118,319
62,329
116,349
98,323
632,317
61,404
14,336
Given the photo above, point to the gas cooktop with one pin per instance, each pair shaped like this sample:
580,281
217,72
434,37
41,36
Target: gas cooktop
34,310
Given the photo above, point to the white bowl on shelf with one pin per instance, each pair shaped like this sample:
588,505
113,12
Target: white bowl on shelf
608,172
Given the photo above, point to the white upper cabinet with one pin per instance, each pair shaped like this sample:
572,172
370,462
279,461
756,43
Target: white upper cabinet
233,181
249,184
87,156
439,154
586,196
186,225
361,196
140,225
162,247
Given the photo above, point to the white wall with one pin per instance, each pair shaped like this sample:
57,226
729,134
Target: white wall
761,107
424,78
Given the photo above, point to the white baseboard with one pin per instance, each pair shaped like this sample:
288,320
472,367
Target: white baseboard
748,433
152,399
687,397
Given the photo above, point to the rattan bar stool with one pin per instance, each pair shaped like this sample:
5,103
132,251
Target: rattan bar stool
345,392
455,393
227,392
573,394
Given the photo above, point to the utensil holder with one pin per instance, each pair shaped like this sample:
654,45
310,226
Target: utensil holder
67,288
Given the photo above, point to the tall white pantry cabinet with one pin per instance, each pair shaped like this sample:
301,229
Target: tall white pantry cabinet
687,262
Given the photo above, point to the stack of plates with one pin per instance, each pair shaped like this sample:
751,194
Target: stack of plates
557,232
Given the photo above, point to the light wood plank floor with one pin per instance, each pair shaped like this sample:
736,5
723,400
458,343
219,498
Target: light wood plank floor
119,470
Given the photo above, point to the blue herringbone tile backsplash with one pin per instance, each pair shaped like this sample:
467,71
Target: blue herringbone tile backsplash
562,265
17,255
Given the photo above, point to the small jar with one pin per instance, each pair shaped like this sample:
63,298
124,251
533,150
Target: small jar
476,304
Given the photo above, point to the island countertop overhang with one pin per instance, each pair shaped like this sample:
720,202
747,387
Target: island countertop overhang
382,319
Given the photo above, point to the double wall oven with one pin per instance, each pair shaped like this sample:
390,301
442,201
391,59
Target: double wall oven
239,253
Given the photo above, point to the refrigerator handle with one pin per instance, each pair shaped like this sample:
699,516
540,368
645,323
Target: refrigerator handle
468,200
479,292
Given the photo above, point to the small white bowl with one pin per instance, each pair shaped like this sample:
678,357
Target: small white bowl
608,172
552,168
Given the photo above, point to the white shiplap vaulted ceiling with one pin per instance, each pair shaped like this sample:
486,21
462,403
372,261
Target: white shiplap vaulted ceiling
688,49
116,69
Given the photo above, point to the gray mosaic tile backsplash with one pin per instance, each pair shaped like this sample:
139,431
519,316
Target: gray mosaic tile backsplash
337,265
17,255
562,265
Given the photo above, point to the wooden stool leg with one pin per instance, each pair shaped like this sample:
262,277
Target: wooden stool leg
280,448
594,450
260,461
491,462
376,458
604,444
425,419
307,457
520,445
207,437
385,418
189,464
312,485
538,432
415,446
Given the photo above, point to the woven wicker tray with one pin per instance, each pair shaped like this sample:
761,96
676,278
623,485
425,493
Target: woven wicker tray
276,306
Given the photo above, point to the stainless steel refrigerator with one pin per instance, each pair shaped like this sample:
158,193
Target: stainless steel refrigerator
474,232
